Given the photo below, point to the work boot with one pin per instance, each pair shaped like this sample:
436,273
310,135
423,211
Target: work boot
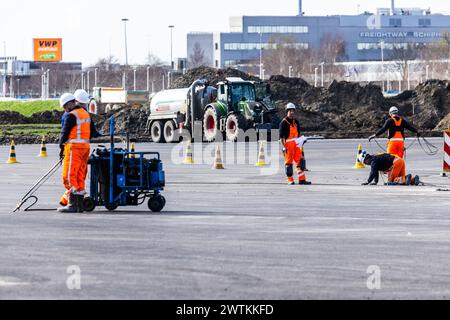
291,183
72,207
408,180
391,184
416,181
305,183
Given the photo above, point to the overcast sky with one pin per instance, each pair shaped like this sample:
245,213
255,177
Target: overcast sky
93,28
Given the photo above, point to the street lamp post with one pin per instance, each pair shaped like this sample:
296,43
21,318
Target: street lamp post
260,56
47,89
87,81
382,64
134,79
82,80
171,46
18,88
321,73
95,77
148,79
126,45
315,76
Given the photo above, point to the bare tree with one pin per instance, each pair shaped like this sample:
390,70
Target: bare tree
197,58
402,55
153,60
331,51
283,52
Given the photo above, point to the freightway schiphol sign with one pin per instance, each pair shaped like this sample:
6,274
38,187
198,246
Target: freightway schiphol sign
47,49
399,34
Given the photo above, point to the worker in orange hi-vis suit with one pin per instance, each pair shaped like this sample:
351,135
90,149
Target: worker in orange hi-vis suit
396,126
75,148
292,146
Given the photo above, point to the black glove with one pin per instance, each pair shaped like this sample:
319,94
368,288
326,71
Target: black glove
372,137
61,152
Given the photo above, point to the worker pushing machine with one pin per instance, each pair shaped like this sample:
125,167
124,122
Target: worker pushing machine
292,146
74,146
395,126
393,165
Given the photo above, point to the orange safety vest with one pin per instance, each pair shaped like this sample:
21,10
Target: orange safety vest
293,131
81,133
398,134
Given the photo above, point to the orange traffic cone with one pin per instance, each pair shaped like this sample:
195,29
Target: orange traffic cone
12,153
261,156
43,153
359,164
218,160
132,156
188,155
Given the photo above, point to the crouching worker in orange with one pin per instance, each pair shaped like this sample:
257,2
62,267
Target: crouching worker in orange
74,146
289,136
394,166
395,126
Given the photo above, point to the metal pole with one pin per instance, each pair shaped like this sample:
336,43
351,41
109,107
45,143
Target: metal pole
163,84
260,55
407,71
315,76
321,72
427,72
126,45
82,80
171,47
263,74
47,91
153,86
95,77
18,88
290,71
87,81
148,79
134,79
382,65
169,76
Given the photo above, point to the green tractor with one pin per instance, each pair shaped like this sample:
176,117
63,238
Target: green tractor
240,105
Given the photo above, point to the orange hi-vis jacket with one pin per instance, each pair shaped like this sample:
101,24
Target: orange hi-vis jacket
397,134
81,133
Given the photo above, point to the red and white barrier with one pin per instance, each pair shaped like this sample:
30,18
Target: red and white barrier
447,151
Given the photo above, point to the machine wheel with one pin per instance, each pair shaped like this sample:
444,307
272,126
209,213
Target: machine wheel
169,131
210,124
88,204
93,108
156,132
156,203
235,122
111,207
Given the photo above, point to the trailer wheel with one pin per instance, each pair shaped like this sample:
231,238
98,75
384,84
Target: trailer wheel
156,203
169,131
234,124
210,124
156,132
88,204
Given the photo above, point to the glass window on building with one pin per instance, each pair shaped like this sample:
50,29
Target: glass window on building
277,29
424,22
395,22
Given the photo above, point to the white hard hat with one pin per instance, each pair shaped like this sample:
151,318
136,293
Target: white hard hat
393,110
81,96
290,106
66,97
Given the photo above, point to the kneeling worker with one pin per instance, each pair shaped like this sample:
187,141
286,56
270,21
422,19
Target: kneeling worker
394,166
74,146
289,137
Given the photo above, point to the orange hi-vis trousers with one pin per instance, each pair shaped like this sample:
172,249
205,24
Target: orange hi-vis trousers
396,147
398,171
75,165
293,154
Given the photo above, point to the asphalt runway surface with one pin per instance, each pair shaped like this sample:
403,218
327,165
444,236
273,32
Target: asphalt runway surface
238,233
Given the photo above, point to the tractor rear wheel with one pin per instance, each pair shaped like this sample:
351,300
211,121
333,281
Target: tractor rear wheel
88,204
235,124
210,124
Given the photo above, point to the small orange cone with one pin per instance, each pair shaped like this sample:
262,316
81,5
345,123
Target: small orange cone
218,165
261,156
43,153
188,157
132,156
358,164
12,153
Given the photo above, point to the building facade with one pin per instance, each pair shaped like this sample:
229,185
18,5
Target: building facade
365,35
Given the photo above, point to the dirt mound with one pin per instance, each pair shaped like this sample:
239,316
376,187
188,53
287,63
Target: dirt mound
12,117
210,74
128,119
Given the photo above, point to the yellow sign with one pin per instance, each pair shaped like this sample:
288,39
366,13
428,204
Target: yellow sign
47,49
